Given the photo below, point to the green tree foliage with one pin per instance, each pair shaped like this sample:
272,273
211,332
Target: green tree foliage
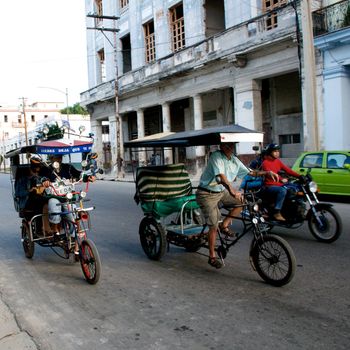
75,109
55,132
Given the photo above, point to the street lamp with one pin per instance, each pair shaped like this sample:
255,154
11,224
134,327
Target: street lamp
62,92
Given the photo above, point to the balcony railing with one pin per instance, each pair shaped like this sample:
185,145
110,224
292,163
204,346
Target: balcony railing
230,45
331,18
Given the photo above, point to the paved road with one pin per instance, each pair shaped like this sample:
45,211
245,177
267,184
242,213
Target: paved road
178,303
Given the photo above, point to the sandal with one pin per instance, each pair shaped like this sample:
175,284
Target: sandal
215,262
227,232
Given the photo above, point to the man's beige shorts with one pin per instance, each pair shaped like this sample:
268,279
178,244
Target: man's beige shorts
208,203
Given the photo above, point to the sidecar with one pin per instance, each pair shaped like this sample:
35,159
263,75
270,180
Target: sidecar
166,197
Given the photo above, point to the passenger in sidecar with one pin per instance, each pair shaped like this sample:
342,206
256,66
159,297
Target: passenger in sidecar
28,190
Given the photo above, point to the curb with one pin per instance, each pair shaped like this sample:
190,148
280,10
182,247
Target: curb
11,336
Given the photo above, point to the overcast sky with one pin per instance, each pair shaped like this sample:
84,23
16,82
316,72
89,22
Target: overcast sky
43,44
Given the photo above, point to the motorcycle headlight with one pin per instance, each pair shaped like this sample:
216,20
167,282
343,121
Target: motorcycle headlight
313,186
256,207
82,194
69,195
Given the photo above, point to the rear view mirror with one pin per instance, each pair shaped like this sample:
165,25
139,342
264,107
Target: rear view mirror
255,148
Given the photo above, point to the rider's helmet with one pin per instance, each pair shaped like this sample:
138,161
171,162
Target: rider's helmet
270,148
35,160
35,163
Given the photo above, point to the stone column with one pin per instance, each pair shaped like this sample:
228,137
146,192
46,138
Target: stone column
168,154
248,109
113,141
198,121
140,134
336,107
96,129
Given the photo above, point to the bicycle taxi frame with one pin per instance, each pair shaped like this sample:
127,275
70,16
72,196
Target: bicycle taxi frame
72,231
172,215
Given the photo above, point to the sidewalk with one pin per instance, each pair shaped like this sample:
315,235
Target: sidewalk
109,177
129,177
11,336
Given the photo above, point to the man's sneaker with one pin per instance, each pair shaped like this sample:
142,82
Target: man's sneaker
279,217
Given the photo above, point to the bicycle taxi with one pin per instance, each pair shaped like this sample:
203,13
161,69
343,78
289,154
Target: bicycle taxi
71,240
172,215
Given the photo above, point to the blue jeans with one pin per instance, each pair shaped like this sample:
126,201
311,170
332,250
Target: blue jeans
56,208
278,192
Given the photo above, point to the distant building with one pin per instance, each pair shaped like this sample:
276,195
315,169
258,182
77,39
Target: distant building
14,134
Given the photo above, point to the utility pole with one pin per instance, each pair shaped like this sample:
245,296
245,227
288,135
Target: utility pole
114,30
309,67
25,119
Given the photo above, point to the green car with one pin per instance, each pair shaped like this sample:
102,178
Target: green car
329,169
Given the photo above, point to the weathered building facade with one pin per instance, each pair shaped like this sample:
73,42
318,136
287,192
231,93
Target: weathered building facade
332,39
191,64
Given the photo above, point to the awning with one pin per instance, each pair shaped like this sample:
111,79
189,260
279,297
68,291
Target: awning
61,146
64,146
203,137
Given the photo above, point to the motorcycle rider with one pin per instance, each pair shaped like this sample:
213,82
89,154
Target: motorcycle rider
64,171
272,187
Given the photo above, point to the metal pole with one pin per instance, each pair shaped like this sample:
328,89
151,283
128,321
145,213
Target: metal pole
120,163
62,92
67,112
25,120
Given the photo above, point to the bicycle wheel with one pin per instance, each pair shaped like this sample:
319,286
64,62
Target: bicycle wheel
27,242
90,261
273,260
152,238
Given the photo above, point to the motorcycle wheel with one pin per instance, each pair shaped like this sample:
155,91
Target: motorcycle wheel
274,260
330,227
27,242
90,261
152,238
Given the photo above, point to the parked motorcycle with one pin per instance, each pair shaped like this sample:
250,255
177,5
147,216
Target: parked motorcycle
301,204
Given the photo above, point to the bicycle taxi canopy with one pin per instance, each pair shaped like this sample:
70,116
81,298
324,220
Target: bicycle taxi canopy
203,137
61,146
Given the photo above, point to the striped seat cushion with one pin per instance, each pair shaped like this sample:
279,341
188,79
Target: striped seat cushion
160,183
